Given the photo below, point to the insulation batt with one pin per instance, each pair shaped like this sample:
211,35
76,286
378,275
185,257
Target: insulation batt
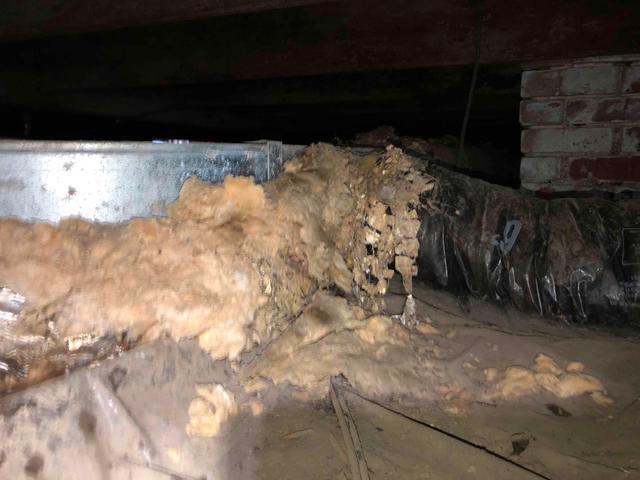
230,264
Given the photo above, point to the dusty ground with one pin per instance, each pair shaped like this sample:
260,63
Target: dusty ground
565,438
572,438
65,427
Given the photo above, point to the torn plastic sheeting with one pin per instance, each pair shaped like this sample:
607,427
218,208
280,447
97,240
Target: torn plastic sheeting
574,259
16,351
19,350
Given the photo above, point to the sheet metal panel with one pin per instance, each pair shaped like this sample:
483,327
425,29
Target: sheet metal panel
117,181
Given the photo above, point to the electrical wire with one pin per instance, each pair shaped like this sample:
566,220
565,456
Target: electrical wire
477,40
471,443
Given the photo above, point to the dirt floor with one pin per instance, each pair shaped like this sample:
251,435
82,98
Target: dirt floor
558,438
126,417
572,438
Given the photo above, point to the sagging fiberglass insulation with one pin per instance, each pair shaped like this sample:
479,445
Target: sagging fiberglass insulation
230,264
286,281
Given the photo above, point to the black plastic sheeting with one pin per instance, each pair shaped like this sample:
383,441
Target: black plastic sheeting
577,260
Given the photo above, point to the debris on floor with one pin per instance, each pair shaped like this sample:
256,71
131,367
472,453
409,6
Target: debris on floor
545,374
210,410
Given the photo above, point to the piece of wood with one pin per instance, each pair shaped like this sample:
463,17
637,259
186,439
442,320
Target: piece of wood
359,468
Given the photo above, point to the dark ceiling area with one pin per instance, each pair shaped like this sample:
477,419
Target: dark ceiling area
298,71
296,109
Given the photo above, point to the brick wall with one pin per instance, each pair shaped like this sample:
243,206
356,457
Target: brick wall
581,125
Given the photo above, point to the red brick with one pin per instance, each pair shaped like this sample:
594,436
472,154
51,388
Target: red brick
540,83
550,140
631,82
587,135
593,110
597,79
609,169
632,110
631,139
541,112
559,173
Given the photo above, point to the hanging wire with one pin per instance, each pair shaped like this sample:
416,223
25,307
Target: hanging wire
477,40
